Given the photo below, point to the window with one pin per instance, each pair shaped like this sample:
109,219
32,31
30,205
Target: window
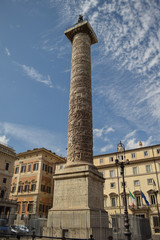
121,157
158,151
18,206
135,170
49,169
61,167
35,167
7,166
23,168
20,188
113,202
122,184
112,173
33,187
150,181
41,207
110,159
112,185
156,224
133,155
152,199
115,224
43,188
16,170
138,200
140,215
13,189
24,204
26,188
30,207
48,189
44,167
148,168
2,194
101,161
29,167
146,153
136,183
4,180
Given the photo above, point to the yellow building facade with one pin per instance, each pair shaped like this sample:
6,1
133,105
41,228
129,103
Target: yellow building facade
142,174
32,183
7,158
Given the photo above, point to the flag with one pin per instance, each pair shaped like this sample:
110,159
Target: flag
154,184
143,196
132,198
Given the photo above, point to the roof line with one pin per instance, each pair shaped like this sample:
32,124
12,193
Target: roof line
129,150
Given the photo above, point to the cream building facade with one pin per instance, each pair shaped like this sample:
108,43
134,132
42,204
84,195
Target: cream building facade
141,174
7,158
32,183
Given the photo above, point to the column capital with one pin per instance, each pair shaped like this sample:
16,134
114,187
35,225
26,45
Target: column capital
82,27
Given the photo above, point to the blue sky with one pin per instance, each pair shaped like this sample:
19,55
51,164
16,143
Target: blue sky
35,58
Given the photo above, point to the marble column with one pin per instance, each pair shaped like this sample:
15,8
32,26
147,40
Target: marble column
80,136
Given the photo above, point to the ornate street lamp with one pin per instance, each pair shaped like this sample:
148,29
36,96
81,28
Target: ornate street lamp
120,150
156,193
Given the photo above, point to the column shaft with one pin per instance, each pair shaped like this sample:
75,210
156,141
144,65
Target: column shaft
80,136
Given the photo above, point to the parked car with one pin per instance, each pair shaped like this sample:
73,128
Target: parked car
5,230
19,229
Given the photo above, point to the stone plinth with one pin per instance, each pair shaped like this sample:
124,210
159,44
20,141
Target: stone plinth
78,204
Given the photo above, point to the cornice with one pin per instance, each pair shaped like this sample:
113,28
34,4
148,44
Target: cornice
82,27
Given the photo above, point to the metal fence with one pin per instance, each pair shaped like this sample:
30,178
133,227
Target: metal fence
139,227
34,237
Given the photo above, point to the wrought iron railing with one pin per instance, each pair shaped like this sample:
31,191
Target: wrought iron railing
35,237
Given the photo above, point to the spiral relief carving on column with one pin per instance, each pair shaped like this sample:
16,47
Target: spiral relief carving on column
80,136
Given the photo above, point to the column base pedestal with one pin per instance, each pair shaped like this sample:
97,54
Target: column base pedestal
78,208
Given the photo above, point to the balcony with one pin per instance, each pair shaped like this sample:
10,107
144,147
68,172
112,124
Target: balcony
6,201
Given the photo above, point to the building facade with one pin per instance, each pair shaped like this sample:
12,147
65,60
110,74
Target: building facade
142,176
7,158
32,183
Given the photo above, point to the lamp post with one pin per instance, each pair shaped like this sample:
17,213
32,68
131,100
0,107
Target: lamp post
156,193
121,149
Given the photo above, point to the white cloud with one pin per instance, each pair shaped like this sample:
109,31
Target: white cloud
132,143
107,130
87,5
4,139
106,148
99,132
129,135
35,75
32,136
7,52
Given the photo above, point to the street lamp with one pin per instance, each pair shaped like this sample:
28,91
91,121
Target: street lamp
156,193
121,149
